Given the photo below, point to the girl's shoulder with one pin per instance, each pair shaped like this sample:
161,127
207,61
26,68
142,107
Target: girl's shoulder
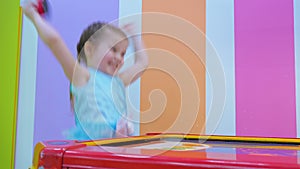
80,76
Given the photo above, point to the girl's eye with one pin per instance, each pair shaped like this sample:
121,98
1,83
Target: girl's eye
114,49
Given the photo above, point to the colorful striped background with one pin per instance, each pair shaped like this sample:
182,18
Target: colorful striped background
256,46
252,50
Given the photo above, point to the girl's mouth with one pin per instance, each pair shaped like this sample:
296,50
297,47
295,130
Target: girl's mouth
113,64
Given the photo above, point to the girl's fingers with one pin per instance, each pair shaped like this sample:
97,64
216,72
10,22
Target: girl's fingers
129,29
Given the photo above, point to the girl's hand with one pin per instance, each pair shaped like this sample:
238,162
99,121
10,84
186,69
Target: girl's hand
29,9
132,33
124,128
130,30
121,130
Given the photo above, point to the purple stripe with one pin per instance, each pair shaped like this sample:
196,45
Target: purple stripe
265,68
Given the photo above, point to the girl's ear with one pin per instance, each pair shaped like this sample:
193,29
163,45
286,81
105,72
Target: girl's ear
88,49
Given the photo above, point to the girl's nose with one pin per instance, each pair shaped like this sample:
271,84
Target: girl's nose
118,57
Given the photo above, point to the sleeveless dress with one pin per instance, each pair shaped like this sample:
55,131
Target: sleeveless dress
98,107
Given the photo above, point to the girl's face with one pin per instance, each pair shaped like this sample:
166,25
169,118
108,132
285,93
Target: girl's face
108,55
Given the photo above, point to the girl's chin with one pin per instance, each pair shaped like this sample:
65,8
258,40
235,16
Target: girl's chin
113,72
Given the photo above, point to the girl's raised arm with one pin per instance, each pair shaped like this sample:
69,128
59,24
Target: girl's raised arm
141,58
77,74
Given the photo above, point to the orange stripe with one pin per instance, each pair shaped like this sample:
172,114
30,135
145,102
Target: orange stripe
16,88
175,47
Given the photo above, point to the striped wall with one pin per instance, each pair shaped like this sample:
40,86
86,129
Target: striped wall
258,59
216,67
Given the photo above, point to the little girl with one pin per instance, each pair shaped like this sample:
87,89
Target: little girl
97,86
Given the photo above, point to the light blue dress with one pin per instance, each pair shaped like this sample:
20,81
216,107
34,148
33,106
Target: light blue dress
98,107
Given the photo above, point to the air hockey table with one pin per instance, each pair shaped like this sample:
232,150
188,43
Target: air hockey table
169,151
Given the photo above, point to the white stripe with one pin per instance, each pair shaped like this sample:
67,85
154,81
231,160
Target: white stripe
130,12
220,34
297,59
26,102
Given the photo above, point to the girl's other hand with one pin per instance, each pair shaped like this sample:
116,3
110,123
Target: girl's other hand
124,128
121,130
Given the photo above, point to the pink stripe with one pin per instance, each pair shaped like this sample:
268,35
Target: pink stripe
265,68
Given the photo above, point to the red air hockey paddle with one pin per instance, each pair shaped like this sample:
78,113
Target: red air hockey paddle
42,7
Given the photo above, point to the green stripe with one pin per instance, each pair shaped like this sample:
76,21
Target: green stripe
9,66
